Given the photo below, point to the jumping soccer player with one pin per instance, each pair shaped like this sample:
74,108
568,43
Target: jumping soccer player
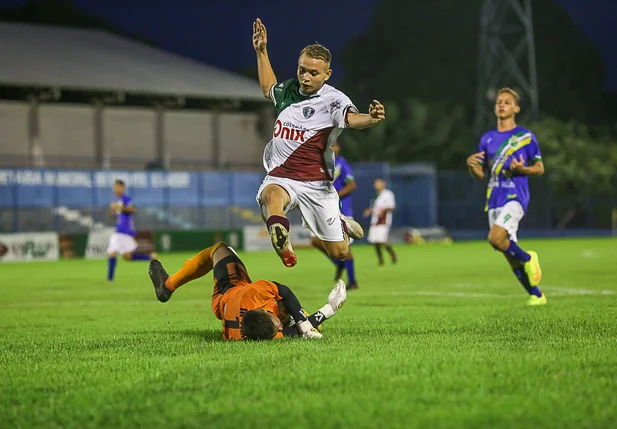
299,159
381,220
248,310
511,153
122,242
345,184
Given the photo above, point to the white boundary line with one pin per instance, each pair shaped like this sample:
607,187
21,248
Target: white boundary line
554,291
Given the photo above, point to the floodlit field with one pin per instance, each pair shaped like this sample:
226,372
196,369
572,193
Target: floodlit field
442,339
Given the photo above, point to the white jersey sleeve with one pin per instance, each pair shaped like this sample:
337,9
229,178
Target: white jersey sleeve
338,105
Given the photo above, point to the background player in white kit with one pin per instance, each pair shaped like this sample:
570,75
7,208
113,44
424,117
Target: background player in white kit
381,219
298,159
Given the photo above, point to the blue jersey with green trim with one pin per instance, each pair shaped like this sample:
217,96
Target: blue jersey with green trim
126,221
500,148
342,176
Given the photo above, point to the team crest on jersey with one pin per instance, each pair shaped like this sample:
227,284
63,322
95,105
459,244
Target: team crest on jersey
308,112
514,141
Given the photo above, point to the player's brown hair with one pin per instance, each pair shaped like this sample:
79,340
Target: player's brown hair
513,93
257,325
317,51
119,182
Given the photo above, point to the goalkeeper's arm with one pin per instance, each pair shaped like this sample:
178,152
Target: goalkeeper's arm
336,299
291,303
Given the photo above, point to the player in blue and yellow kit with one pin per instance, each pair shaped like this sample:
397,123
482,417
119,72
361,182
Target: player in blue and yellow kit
509,154
123,240
345,184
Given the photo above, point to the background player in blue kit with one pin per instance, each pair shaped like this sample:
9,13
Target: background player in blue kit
345,184
509,154
123,240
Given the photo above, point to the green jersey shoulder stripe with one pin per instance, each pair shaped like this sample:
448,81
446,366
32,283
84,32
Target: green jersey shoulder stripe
288,93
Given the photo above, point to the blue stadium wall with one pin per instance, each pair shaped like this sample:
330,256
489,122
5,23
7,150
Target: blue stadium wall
29,199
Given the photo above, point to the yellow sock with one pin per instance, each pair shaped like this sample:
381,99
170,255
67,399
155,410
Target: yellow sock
193,268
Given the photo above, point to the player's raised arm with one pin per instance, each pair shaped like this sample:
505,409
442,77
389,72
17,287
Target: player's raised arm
267,77
376,114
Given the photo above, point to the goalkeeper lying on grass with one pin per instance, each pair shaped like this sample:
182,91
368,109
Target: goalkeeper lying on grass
260,310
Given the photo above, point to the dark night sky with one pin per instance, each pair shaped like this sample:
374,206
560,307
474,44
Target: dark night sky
219,32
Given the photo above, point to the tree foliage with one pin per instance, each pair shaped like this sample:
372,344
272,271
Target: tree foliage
578,167
427,51
421,49
413,132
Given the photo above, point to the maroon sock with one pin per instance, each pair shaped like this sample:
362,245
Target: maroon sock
277,219
345,227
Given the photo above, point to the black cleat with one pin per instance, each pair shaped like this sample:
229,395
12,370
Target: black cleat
158,275
352,286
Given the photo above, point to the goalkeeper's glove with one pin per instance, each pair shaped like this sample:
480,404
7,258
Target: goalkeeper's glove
306,330
336,299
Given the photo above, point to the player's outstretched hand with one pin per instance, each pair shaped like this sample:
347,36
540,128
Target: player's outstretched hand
338,296
377,111
260,36
306,329
475,159
517,166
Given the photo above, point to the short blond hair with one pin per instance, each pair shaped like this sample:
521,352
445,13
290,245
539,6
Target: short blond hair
513,93
317,51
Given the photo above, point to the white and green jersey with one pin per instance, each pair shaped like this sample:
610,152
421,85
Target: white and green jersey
306,126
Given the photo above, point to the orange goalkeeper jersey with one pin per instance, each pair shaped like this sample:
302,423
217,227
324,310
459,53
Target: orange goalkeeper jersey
244,297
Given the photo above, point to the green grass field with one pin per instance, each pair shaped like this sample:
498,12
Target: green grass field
443,339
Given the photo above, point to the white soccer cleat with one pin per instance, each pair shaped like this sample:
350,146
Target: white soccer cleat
353,228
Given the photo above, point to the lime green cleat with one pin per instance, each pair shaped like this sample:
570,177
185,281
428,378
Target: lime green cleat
534,300
533,270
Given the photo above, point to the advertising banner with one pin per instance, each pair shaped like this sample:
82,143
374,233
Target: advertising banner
256,237
34,246
98,241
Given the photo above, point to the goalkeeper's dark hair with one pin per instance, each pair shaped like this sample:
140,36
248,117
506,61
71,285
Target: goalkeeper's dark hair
257,325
